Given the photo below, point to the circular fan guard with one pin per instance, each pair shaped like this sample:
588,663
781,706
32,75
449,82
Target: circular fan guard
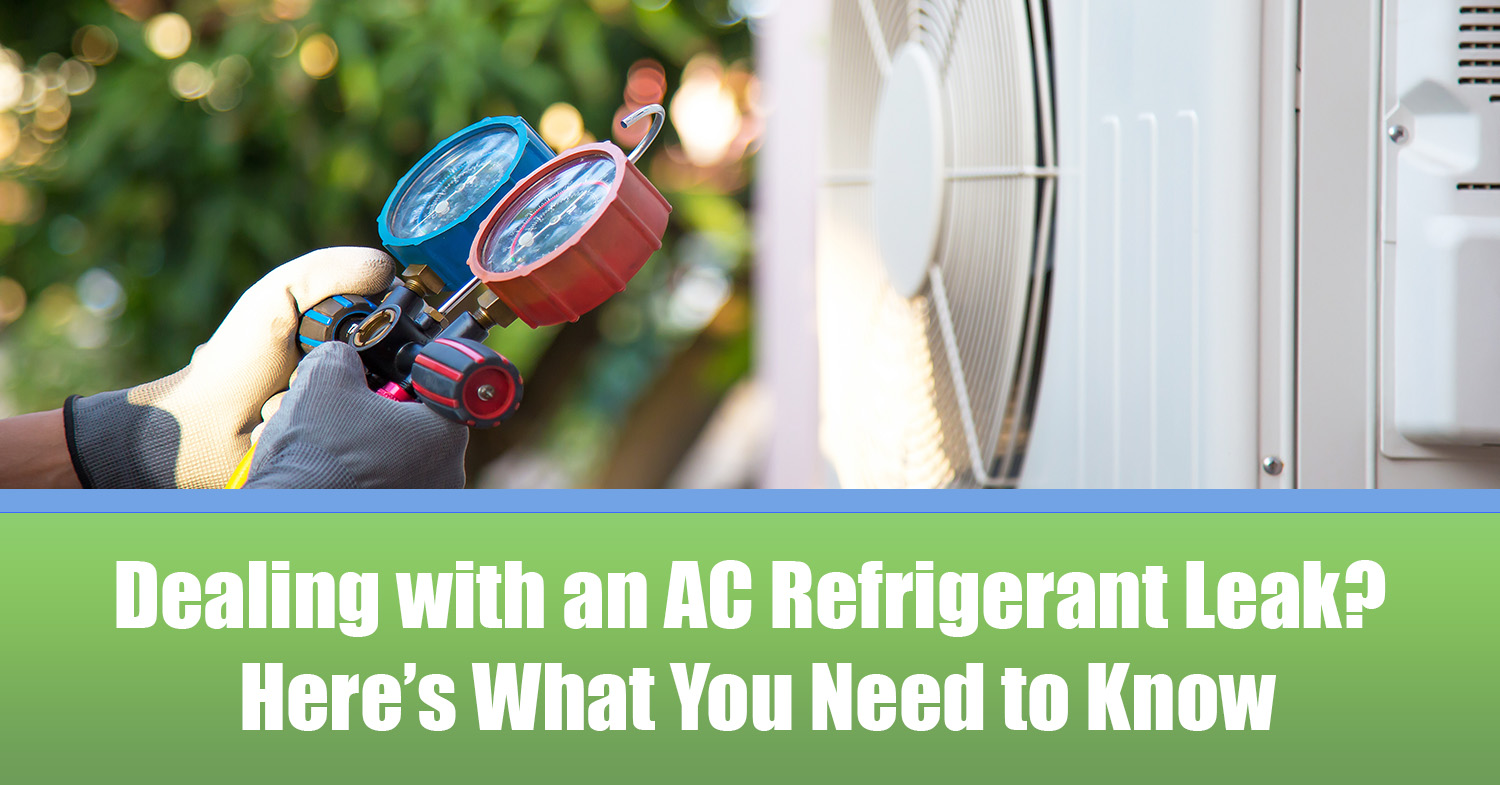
931,313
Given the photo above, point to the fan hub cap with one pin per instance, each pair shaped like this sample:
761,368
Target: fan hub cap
907,168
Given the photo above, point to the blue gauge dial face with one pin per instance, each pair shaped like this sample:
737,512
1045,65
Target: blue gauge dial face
454,183
552,212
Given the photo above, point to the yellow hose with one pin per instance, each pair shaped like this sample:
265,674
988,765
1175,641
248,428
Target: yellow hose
241,472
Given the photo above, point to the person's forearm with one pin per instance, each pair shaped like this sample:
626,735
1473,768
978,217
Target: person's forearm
34,452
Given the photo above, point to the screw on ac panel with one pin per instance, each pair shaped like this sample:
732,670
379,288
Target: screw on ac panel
1272,465
1397,133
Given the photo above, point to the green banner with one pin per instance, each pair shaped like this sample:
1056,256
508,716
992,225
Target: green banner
128,642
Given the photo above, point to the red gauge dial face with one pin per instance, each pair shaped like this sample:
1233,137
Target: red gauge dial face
552,212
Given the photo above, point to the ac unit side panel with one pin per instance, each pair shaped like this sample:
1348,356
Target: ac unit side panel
1442,232
1440,279
1150,372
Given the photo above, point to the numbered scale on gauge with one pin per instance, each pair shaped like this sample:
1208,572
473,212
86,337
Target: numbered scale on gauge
434,212
572,233
554,214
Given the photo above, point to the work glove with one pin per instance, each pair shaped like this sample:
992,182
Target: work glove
331,431
190,429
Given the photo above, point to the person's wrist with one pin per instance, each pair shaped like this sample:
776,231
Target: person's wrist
36,453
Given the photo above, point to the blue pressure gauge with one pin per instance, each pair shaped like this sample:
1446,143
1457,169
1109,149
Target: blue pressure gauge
435,211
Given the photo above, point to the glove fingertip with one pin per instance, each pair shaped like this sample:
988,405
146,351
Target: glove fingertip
333,361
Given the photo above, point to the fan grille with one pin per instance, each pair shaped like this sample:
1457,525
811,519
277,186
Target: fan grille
935,390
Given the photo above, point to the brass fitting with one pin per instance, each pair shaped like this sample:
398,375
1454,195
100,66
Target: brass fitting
490,312
422,279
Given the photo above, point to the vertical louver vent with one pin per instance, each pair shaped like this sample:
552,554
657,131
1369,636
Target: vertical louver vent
1477,68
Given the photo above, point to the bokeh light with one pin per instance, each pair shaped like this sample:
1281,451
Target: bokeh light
318,56
53,111
47,67
12,84
10,136
290,9
95,45
283,41
56,306
721,12
754,9
705,112
32,91
191,81
16,203
101,293
646,83
77,75
561,126
696,298
229,77
139,10
12,300
169,35
28,151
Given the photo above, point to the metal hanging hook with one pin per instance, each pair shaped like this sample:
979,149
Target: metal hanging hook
658,118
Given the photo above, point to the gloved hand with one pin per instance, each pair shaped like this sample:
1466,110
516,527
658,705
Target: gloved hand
190,429
331,431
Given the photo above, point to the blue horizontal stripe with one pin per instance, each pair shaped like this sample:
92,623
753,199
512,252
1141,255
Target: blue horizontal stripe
342,300
750,501
317,317
309,341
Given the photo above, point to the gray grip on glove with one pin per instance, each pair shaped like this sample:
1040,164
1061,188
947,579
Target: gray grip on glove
100,425
333,432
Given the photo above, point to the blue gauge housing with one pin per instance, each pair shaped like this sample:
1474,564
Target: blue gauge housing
435,210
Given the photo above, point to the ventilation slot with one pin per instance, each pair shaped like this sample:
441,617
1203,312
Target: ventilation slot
1465,47
1479,186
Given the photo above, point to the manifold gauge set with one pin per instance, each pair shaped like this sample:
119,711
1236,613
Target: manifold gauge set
497,227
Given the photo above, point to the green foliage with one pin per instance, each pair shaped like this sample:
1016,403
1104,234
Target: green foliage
187,202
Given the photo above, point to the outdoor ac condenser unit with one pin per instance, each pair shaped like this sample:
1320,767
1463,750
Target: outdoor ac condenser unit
1159,243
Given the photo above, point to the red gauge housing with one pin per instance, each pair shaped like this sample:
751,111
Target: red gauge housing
592,265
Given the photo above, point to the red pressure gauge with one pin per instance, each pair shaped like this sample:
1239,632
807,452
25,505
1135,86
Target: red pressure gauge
571,234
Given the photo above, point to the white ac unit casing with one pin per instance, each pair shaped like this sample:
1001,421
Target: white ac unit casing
1274,259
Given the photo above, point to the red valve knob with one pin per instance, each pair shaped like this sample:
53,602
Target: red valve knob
467,382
